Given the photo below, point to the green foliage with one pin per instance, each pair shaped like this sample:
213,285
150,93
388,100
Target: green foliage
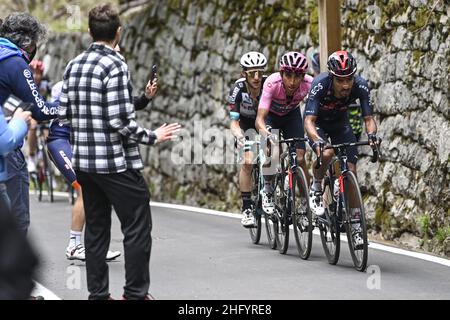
424,222
442,234
422,16
314,23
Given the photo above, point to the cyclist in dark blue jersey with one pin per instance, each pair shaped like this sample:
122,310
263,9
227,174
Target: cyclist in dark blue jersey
326,116
244,99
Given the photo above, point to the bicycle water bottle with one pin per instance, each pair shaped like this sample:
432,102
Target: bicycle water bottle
286,182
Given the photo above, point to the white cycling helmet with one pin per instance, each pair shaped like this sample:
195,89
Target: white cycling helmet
253,59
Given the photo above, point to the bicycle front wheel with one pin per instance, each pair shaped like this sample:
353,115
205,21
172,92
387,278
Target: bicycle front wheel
255,233
329,227
356,222
301,215
281,229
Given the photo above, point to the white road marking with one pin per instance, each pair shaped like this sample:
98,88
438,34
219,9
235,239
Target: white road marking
40,290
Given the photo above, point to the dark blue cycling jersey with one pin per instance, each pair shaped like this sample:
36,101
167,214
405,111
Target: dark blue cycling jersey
16,78
330,111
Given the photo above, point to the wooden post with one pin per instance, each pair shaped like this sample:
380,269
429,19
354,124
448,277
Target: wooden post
329,29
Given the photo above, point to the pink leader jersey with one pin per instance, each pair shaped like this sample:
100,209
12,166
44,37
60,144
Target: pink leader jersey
274,96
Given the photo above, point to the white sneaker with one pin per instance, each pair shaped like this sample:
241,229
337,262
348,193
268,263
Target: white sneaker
316,204
248,220
111,255
76,253
267,203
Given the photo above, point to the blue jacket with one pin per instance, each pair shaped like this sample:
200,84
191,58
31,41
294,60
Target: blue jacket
16,78
11,137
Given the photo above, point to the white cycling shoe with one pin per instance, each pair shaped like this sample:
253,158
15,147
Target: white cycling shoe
248,219
316,204
267,203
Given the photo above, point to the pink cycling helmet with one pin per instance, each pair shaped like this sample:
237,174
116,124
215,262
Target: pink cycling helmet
293,61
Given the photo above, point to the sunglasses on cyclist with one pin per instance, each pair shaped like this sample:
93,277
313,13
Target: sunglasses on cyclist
255,73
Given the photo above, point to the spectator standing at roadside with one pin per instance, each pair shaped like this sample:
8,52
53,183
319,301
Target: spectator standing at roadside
96,102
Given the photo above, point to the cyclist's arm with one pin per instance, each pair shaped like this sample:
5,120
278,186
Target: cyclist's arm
312,111
311,131
24,87
234,100
263,109
236,129
366,107
261,122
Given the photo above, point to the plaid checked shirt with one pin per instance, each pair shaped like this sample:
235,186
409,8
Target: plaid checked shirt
96,102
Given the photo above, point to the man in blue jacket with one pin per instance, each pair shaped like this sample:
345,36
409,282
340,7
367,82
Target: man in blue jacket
19,35
17,261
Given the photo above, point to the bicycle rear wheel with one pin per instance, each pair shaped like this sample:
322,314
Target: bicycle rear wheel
271,223
329,228
255,233
301,219
359,252
281,229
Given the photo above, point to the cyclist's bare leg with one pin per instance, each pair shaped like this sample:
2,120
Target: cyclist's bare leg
302,163
245,182
78,218
269,168
326,159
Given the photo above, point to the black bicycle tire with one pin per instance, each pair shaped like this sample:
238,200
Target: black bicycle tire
303,252
359,264
50,185
255,233
40,187
283,223
332,258
270,229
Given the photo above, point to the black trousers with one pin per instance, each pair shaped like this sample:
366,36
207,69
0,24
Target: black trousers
127,192
17,259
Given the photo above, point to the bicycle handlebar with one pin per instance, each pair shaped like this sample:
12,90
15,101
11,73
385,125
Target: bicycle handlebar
293,140
376,154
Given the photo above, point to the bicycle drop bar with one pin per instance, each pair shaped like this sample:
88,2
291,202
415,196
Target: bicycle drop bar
375,151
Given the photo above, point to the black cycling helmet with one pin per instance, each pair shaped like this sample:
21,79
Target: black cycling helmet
341,64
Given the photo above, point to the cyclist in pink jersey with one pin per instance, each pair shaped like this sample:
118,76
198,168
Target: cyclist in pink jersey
279,110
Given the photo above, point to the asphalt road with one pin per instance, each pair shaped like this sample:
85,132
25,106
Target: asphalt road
200,256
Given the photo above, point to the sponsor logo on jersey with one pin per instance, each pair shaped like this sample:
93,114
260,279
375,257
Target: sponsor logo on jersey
34,91
365,88
316,89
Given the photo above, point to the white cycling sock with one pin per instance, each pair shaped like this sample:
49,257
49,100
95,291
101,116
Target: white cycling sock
75,238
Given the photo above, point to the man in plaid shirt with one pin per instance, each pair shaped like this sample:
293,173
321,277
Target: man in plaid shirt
96,102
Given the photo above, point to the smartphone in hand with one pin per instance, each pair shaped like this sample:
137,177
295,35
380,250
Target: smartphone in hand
154,72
